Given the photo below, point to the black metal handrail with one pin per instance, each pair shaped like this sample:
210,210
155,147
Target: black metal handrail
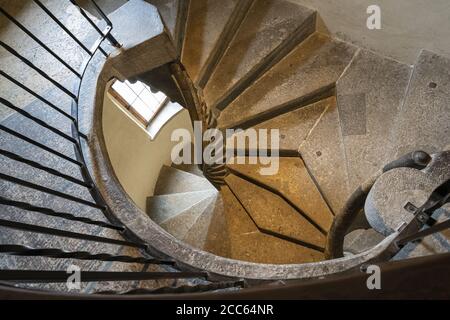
86,181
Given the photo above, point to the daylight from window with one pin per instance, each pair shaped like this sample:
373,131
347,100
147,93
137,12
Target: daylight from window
139,99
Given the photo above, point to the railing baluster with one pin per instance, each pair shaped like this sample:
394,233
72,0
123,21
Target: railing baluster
62,26
68,234
18,250
38,70
50,212
43,45
36,95
49,191
39,166
40,145
37,120
100,32
110,38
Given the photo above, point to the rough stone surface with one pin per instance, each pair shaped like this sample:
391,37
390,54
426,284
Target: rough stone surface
385,203
180,224
294,127
198,234
314,64
161,208
145,42
248,244
385,208
271,212
361,240
293,182
168,9
172,180
370,96
206,21
324,156
424,122
267,25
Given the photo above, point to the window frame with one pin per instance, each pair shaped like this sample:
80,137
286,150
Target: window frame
118,97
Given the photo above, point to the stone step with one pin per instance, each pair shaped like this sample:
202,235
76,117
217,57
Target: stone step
198,234
370,96
324,156
424,122
189,168
270,30
294,127
206,22
179,225
234,235
172,180
272,213
293,183
361,240
314,64
174,15
163,207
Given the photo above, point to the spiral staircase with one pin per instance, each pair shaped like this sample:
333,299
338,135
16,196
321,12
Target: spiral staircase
361,135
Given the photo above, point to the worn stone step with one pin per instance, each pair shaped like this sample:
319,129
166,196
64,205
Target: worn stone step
198,234
370,96
180,224
269,31
293,127
272,213
424,122
174,15
206,22
245,242
161,208
314,64
361,240
293,183
172,180
189,168
324,156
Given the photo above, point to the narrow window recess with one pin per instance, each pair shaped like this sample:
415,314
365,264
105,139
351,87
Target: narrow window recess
139,100
151,110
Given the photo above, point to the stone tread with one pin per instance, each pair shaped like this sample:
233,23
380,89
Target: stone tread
179,225
207,19
293,182
168,10
172,180
239,238
295,126
370,95
424,122
271,212
161,208
197,235
324,156
318,59
267,25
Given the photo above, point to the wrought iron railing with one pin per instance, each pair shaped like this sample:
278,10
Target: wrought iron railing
50,276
